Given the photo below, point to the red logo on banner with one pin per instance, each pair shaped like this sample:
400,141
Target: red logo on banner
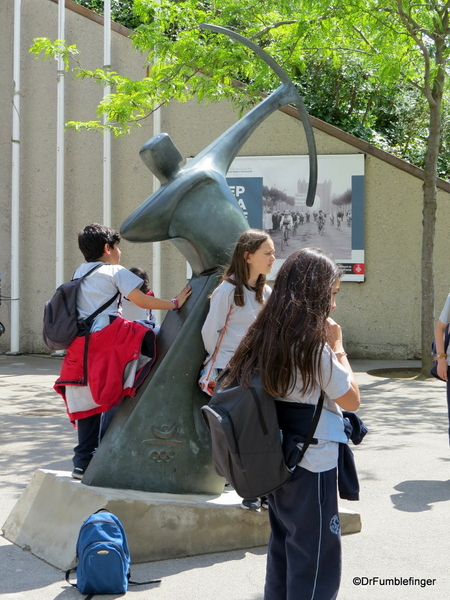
358,269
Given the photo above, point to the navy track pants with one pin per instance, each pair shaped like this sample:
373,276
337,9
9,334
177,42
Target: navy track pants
304,553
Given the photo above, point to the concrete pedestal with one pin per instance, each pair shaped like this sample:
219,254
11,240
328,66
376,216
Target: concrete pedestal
48,515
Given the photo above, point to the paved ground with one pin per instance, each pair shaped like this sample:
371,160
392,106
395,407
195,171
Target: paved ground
403,465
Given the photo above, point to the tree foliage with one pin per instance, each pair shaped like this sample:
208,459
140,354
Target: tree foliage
121,11
347,83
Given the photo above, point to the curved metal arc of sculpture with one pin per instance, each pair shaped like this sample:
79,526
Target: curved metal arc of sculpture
298,101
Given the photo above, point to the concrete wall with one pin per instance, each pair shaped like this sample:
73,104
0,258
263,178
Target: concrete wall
131,180
381,317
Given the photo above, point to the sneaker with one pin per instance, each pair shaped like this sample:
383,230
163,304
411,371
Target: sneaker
264,502
78,473
251,504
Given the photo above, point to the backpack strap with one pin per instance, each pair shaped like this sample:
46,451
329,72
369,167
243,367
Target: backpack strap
89,596
85,323
88,273
313,426
82,325
68,572
144,582
84,328
219,341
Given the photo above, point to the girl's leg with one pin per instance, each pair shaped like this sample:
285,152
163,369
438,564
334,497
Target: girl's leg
276,569
304,554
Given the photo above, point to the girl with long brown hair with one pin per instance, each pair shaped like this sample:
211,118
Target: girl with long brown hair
298,351
237,301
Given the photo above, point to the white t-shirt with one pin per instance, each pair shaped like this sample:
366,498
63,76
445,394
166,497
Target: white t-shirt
132,312
101,286
445,318
241,317
330,429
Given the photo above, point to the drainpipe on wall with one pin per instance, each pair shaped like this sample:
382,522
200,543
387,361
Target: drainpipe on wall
107,133
15,183
156,263
60,150
156,247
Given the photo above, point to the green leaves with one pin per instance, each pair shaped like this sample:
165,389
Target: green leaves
55,49
358,63
121,11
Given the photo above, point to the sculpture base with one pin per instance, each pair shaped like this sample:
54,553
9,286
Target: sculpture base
48,515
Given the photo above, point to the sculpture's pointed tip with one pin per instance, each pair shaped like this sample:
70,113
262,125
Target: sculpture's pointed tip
131,230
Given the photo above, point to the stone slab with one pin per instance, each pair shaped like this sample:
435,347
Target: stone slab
48,515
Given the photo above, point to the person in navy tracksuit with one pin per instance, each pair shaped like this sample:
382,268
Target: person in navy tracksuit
442,356
298,350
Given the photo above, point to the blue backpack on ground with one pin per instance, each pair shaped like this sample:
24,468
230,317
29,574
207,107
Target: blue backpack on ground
103,556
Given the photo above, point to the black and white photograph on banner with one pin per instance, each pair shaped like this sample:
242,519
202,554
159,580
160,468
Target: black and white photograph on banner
271,190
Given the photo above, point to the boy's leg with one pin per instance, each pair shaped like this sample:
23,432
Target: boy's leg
305,512
106,419
88,435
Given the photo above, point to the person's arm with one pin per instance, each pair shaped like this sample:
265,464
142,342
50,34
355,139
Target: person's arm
439,333
351,399
219,307
150,302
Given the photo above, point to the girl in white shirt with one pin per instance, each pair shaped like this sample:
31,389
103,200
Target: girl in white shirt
237,301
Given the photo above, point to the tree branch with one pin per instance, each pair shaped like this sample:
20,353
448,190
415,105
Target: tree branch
412,28
272,26
363,37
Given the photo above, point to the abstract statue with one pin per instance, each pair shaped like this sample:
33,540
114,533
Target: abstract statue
157,442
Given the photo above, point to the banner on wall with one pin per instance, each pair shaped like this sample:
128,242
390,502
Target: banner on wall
271,191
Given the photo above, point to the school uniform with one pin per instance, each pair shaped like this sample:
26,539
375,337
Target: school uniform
304,552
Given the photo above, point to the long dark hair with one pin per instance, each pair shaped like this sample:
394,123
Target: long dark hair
289,333
238,271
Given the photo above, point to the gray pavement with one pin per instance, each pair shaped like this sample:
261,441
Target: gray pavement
403,465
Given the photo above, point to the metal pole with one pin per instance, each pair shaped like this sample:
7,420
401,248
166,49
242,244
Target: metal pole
59,261
15,183
107,133
156,246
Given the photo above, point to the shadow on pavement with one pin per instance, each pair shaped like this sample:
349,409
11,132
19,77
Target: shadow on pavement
418,496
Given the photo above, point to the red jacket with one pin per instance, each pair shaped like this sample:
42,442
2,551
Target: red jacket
109,352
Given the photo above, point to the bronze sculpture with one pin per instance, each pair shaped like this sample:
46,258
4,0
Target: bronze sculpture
157,441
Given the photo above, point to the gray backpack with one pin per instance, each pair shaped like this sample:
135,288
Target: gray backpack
246,442
60,315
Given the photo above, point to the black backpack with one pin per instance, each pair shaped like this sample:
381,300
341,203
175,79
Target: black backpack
246,442
60,315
